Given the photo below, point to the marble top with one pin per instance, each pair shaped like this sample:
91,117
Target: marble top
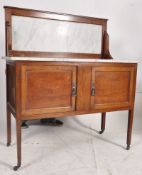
70,60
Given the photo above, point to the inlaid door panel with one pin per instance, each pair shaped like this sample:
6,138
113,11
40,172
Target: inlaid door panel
48,89
113,86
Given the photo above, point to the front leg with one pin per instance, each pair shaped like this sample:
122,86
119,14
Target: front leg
129,130
8,126
103,122
18,134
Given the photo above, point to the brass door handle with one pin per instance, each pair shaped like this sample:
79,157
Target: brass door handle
74,93
93,89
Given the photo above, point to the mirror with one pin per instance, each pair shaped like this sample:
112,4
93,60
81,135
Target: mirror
46,35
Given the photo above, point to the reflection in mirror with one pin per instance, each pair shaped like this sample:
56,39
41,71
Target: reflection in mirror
45,35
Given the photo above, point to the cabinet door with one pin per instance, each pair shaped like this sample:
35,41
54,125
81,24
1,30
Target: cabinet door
47,89
113,87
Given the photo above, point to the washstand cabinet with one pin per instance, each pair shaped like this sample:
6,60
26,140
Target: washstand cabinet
59,65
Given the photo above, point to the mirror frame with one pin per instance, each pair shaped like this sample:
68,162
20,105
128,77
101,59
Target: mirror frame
10,11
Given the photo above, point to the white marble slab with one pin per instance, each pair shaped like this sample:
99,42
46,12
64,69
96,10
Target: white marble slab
70,60
35,34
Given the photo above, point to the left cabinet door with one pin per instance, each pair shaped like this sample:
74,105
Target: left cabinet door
47,89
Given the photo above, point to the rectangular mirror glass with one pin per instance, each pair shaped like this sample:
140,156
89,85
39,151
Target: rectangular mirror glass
45,35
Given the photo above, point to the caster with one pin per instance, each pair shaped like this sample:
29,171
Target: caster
128,147
8,144
15,168
100,132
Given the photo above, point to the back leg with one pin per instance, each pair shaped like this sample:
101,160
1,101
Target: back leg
103,122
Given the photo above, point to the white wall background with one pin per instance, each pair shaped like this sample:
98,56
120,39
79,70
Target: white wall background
124,28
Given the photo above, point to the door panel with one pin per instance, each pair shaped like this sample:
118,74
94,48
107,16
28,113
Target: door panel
48,89
113,86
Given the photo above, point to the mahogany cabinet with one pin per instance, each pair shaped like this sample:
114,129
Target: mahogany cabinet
63,68
46,89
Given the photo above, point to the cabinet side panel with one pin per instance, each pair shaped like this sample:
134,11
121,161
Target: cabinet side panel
10,74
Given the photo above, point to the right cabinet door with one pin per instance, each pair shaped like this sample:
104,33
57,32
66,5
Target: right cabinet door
112,86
